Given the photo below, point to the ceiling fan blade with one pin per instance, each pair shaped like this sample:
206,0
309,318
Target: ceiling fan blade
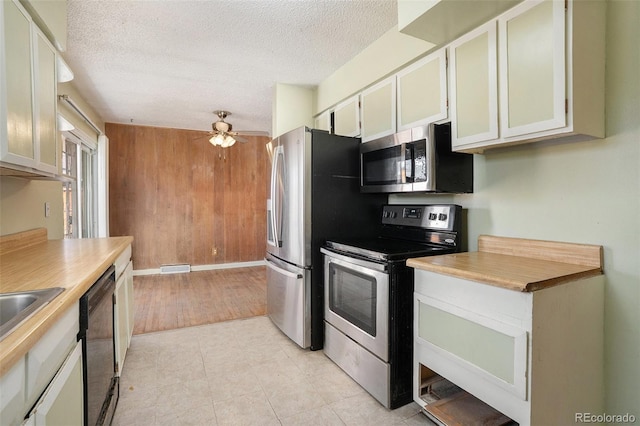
252,133
208,136
240,139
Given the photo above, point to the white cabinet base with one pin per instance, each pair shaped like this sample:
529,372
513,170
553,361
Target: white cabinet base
559,329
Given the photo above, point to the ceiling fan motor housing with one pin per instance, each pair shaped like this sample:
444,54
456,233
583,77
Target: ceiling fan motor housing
221,126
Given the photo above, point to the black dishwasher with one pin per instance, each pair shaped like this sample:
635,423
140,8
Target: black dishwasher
101,387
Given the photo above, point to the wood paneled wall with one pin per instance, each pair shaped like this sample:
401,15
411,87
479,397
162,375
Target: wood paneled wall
184,200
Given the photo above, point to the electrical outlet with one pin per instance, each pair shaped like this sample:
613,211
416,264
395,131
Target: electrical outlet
214,251
47,209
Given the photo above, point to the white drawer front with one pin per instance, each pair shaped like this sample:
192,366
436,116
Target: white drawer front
489,349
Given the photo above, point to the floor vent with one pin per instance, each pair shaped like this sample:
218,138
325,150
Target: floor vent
174,269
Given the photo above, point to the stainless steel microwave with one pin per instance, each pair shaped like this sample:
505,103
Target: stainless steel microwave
415,160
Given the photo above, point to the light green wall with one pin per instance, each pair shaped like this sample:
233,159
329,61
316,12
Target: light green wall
292,108
584,192
22,206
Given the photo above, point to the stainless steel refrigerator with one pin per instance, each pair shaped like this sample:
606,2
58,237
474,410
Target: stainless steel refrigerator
314,195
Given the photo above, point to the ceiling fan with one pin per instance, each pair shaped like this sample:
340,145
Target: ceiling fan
222,133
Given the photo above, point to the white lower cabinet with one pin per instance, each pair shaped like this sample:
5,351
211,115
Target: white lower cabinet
123,308
45,387
46,356
12,388
123,316
536,357
62,401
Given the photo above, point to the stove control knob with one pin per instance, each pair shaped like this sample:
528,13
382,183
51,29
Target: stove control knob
385,214
433,216
394,215
442,216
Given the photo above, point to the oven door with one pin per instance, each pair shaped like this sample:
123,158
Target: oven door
357,300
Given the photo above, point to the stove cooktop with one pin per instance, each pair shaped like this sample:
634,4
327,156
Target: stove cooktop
408,231
388,249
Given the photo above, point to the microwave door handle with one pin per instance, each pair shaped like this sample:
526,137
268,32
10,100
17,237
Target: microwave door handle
406,163
410,163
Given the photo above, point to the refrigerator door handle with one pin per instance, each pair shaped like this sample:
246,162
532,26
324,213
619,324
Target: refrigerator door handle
283,271
276,195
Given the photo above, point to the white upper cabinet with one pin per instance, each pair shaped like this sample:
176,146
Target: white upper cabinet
422,91
474,87
17,105
28,107
379,110
346,117
532,63
46,105
323,121
549,69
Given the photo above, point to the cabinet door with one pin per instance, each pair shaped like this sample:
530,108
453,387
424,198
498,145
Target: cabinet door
12,391
46,356
121,324
532,68
379,110
17,137
346,117
46,105
323,121
123,315
474,87
130,300
422,91
62,402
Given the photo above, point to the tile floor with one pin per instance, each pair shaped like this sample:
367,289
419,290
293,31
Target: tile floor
242,372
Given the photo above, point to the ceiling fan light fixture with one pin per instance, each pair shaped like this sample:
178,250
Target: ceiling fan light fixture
222,140
217,140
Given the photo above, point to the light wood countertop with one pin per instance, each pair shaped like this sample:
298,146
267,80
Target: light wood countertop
71,264
518,264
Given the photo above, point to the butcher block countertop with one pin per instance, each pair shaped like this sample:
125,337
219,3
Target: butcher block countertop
28,261
518,264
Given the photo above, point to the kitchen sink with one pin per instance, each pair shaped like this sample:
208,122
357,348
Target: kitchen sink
15,308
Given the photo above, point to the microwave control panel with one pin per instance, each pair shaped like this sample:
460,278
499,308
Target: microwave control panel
436,216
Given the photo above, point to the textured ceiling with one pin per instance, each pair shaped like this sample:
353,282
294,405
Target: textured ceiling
170,63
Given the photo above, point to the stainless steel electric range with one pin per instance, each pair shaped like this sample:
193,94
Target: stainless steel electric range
368,292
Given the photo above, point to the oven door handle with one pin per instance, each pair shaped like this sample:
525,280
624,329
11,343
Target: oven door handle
354,261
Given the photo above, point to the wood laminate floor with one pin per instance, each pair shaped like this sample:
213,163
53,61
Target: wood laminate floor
172,301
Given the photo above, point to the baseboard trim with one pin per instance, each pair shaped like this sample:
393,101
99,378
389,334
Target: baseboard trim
156,271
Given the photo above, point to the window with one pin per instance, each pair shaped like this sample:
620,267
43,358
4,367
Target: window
69,193
79,188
